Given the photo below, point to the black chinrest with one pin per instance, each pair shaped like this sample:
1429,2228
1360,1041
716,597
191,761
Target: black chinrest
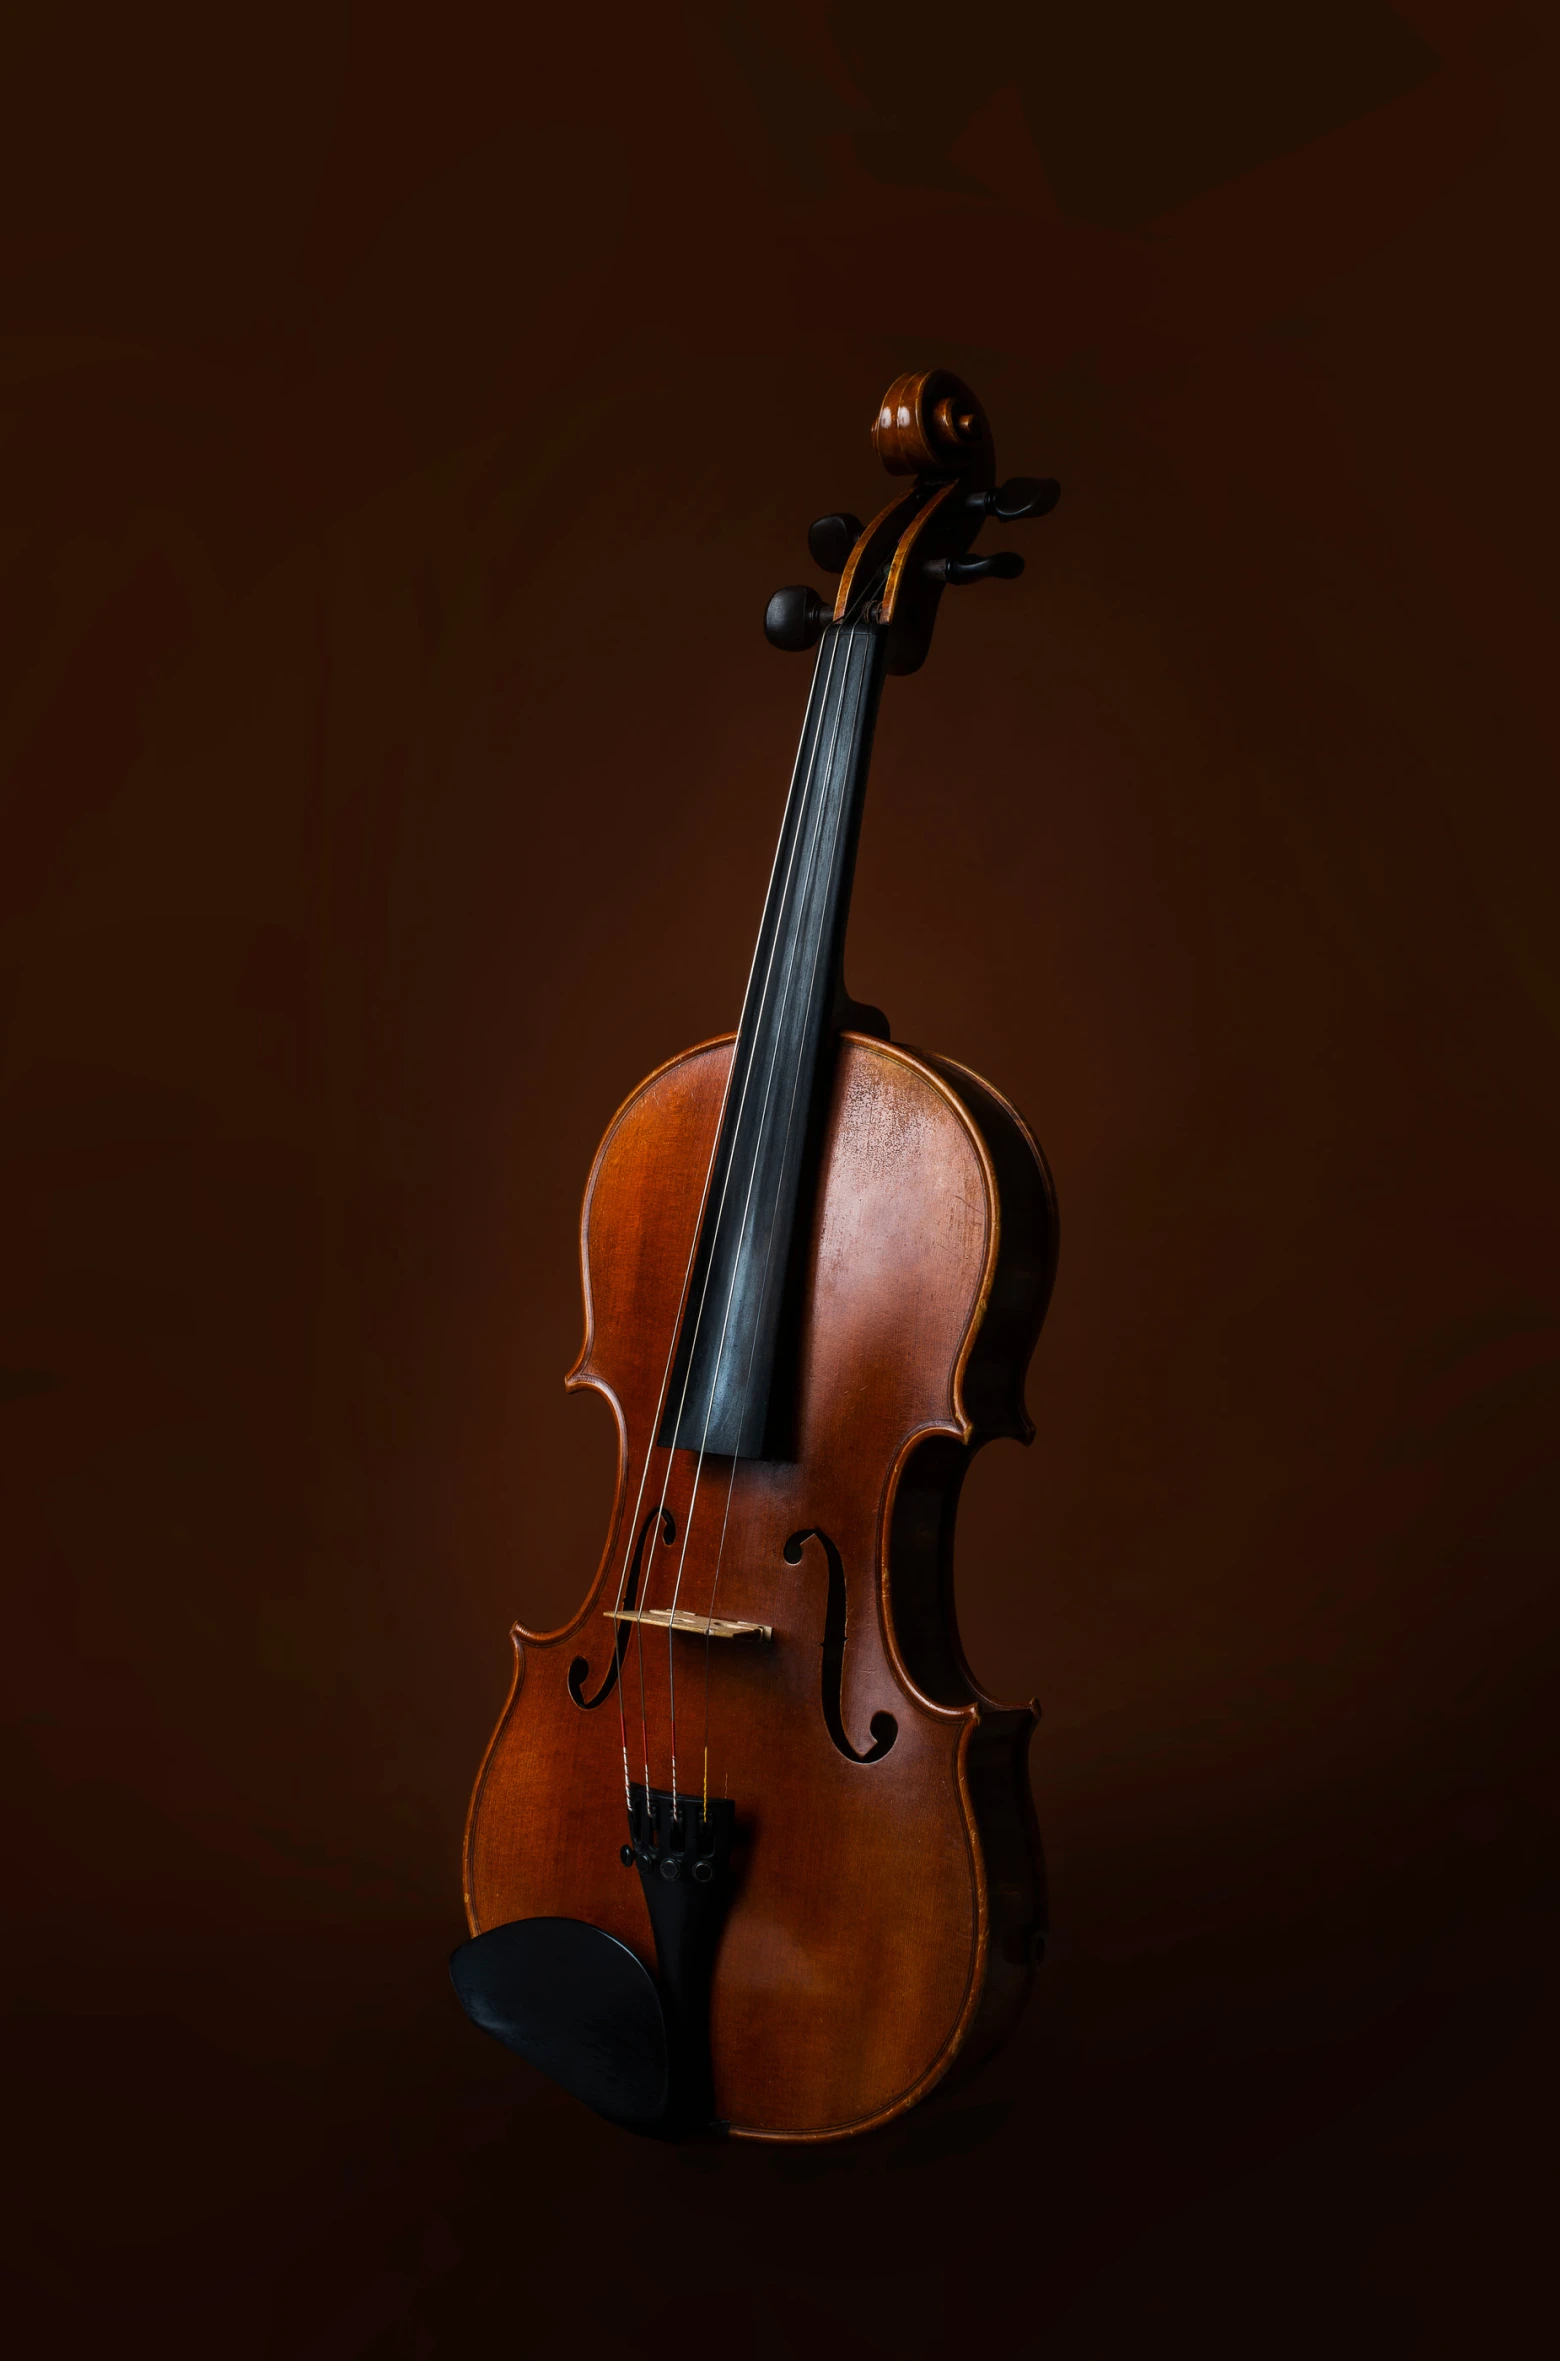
579,2005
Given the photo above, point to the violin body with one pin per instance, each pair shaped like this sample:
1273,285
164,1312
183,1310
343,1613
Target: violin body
886,1918
815,1266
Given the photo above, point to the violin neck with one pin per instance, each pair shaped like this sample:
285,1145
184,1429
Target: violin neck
718,1398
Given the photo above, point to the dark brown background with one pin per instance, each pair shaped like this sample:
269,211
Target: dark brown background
406,415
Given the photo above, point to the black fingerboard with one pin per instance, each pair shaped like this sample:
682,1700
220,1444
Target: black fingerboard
719,1397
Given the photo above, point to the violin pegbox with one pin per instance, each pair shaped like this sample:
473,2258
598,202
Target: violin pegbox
931,427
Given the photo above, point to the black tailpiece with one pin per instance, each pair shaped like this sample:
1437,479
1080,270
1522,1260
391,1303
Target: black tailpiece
584,2008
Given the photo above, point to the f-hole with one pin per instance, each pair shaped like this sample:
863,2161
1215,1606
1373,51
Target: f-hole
579,1670
883,1726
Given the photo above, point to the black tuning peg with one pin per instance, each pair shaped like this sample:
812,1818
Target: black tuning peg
830,540
1021,496
1003,565
794,618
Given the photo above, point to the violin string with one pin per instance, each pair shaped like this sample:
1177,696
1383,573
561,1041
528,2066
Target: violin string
817,836
806,753
731,1480
803,816
853,617
650,1450
633,1523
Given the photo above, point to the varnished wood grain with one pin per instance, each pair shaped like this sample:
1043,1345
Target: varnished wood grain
882,1926
874,550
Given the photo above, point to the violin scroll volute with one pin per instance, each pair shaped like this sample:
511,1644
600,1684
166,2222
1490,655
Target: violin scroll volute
930,423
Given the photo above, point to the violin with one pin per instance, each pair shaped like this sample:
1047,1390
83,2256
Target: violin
751,1852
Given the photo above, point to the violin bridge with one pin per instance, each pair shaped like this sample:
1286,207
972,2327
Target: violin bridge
698,1627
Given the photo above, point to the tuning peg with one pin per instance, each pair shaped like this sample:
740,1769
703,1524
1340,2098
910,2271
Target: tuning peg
794,618
1002,566
830,540
1021,496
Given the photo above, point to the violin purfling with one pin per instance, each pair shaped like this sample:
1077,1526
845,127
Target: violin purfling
751,1852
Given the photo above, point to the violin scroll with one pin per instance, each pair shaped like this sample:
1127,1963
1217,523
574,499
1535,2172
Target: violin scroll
929,426
929,423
